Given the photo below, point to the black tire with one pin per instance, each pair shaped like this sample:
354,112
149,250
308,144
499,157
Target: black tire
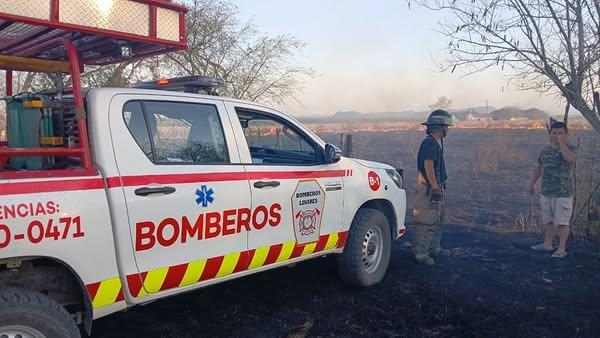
354,266
35,314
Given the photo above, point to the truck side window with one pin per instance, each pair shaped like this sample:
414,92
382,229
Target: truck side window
275,142
134,119
186,133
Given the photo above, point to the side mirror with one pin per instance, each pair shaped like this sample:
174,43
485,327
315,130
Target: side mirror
332,153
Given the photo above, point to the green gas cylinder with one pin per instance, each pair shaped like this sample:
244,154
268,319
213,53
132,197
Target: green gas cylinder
23,131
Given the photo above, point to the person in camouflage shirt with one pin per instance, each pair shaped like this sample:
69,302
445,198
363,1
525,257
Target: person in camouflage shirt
554,167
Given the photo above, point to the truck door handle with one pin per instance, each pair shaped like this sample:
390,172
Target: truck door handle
159,190
264,184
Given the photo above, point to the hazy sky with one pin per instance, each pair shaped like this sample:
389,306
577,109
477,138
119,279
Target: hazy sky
377,55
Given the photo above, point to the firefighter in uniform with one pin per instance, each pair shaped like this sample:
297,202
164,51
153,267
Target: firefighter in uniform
428,212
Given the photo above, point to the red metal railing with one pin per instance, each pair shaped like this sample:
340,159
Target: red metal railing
79,107
41,152
38,42
145,44
9,83
82,150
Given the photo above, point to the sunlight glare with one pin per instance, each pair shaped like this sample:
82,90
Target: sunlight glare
105,7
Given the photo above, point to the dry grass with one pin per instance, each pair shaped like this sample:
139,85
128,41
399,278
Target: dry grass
489,173
529,220
492,152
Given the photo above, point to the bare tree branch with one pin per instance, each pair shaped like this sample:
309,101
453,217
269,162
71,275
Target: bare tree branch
253,65
550,46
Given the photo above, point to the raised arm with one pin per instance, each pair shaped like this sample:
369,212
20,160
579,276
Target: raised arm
567,154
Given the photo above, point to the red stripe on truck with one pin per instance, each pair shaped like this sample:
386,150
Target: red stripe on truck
342,241
20,188
135,283
259,175
298,248
212,268
120,296
244,261
92,289
174,276
321,243
131,181
35,187
274,252
113,182
28,174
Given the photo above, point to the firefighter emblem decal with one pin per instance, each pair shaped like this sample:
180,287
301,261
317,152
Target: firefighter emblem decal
307,204
307,221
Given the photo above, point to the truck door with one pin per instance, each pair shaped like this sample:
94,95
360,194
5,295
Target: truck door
180,175
285,165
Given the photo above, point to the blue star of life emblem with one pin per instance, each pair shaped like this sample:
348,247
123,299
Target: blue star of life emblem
205,196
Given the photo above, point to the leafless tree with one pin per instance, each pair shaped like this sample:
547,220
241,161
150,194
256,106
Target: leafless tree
22,82
255,66
119,75
550,46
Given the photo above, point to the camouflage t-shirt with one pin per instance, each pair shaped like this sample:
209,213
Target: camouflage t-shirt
556,173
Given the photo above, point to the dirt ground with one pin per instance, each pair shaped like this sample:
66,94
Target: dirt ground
491,285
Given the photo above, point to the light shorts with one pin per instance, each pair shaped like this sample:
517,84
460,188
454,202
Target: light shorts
557,210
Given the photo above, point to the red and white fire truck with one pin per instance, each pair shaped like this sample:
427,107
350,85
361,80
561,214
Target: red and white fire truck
123,196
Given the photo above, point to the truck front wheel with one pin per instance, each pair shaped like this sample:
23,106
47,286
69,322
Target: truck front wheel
366,255
26,314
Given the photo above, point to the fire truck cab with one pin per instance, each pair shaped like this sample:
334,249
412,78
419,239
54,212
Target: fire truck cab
124,196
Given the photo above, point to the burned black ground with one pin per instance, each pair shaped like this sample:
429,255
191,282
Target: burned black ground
491,285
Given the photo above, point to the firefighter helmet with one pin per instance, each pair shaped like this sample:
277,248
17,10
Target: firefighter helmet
439,117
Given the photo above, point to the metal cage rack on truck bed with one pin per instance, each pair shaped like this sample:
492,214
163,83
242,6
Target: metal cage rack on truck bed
63,36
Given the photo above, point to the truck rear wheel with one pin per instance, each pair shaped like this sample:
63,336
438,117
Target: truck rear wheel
366,255
26,314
